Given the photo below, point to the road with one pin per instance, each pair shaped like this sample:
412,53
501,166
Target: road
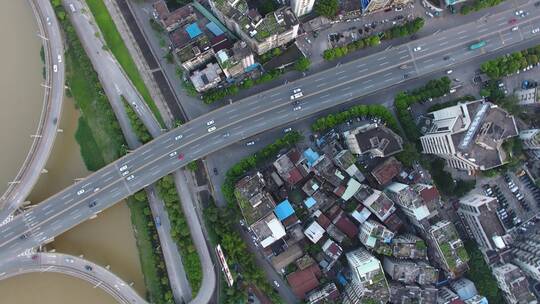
251,116
47,129
76,267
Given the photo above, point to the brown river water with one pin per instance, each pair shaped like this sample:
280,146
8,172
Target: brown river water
107,239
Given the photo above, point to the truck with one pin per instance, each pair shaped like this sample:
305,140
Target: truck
477,45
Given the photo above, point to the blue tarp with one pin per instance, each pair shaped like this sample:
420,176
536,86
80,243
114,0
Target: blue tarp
212,27
309,202
193,30
311,156
284,210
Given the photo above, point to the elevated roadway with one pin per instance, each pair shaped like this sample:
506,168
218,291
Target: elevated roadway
45,134
258,113
80,268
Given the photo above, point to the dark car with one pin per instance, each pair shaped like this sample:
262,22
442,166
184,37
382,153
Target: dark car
88,267
92,204
215,171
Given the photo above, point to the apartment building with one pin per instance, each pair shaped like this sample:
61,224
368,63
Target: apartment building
261,33
449,251
531,140
373,139
526,253
469,136
514,284
302,7
479,214
367,279
410,201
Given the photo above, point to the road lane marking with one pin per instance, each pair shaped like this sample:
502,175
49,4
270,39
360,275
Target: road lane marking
148,157
341,72
482,30
360,65
403,57
320,85
276,94
383,63
403,51
362,70
387,74
381,58
443,43
462,32
319,79
369,86
342,77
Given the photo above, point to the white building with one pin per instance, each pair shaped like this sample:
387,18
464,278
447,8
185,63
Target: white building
302,7
410,202
513,283
531,140
367,280
469,136
478,212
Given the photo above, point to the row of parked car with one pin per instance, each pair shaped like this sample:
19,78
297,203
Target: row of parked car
515,191
506,214
529,183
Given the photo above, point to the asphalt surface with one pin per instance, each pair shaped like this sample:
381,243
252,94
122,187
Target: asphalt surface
254,115
94,274
42,145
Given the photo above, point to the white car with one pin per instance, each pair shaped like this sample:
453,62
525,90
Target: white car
211,129
287,130
69,260
276,284
250,143
55,68
210,122
59,58
96,189
519,12
124,167
449,72
80,192
48,21
297,95
452,91
178,137
72,7
398,9
297,108
125,173
130,177
172,154
515,28
536,30
417,49
297,90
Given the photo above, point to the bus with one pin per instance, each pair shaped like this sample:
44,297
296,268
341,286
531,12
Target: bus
477,45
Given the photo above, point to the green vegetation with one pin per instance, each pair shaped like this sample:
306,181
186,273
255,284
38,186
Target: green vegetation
510,64
433,89
481,275
192,166
408,28
302,64
496,95
421,245
326,8
375,110
118,48
340,51
450,103
477,5
408,155
98,132
151,257
397,31
444,181
136,123
180,232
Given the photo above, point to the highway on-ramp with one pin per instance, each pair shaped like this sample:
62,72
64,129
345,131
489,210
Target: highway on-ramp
254,115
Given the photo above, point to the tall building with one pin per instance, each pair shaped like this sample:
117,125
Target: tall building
469,136
514,284
302,7
527,255
261,33
367,279
373,139
479,213
449,251
410,202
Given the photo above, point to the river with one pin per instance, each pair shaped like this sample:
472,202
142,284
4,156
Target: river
107,239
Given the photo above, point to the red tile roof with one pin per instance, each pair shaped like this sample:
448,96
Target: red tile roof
385,172
323,221
345,225
295,176
304,281
429,194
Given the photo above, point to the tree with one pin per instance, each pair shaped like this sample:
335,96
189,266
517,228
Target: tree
302,64
327,8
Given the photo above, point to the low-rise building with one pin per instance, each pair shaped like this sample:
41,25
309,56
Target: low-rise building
268,230
304,281
235,61
372,6
386,171
447,296
514,284
408,246
469,136
332,251
346,161
314,232
479,213
207,78
286,166
254,201
449,251
464,288
326,170
368,281
326,294
373,139
342,222
409,271
407,294
261,33
531,140
372,234
376,201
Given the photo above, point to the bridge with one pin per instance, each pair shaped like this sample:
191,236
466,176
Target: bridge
257,114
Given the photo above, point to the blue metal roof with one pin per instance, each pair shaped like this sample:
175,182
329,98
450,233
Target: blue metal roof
284,210
212,27
193,30
311,156
309,202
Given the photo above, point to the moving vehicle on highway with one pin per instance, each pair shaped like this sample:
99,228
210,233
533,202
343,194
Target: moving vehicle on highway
80,192
92,204
130,177
179,137
477,45
210,122
211,129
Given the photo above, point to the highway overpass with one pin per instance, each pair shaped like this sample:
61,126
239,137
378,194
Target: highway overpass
256,114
